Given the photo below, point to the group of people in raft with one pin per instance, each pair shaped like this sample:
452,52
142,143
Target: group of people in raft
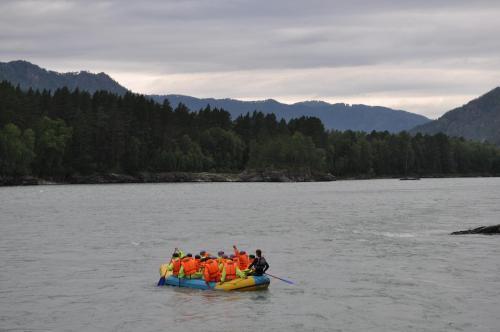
217,269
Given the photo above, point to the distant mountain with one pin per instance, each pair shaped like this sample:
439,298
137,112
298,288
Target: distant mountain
477,120
28,75
334,116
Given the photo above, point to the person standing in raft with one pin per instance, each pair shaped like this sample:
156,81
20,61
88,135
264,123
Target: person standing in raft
259,264
242,258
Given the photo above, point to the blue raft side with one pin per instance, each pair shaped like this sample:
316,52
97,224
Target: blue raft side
190,283
260,280
201,284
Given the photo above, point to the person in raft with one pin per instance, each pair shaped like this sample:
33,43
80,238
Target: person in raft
230,271
175,262
211,272
259,264
241,258
189,268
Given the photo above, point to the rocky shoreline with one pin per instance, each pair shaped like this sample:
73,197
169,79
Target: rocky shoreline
171,177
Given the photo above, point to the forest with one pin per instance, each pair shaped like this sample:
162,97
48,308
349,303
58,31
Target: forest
54,135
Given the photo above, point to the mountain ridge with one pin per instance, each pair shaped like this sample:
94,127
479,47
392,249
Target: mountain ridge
479,120
339,116
28,75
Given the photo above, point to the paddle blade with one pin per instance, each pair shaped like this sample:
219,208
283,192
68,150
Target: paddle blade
284,280
161,282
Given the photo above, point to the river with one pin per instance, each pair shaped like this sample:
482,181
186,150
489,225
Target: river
371,255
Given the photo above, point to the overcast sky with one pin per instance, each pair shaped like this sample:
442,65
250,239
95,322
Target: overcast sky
422,56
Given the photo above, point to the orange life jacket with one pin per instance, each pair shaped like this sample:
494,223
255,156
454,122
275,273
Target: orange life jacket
243,261
211,272
189,265
177,266
230,267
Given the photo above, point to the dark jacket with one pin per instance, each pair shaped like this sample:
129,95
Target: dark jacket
260,265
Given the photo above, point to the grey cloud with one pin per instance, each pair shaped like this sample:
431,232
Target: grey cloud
231,35
225,36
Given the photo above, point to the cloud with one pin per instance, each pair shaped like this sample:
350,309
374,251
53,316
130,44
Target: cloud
416,55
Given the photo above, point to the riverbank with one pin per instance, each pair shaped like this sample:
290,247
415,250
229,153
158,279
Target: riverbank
177,177
171,177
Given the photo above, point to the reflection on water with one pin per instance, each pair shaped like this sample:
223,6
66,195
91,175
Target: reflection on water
364,255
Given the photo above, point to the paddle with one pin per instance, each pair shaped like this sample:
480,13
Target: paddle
161,282
284,280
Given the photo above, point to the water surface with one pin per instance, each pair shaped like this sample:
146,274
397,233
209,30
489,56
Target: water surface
365,255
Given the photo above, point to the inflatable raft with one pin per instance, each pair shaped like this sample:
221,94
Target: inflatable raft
252,283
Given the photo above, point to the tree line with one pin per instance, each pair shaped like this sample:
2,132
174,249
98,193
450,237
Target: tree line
63,133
